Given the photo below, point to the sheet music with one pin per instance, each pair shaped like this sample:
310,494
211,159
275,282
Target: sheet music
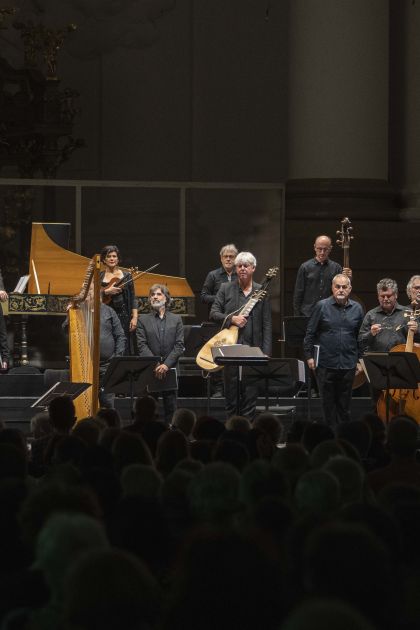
21,285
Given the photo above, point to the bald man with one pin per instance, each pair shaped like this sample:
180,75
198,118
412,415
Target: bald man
314,278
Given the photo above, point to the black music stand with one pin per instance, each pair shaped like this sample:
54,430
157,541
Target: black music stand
274,373
392,370
239,355
294,332
60,389
129,375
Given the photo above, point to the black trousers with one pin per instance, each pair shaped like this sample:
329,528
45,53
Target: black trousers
248,393
335,388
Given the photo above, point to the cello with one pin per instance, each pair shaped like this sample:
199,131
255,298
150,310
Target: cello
403,401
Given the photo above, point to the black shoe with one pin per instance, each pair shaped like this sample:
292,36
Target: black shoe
218,393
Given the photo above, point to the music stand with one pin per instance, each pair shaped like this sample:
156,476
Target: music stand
129,375
274,373
238,355
391,370
60,389
294,332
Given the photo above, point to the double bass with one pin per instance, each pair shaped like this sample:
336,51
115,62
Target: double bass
344,239
403,401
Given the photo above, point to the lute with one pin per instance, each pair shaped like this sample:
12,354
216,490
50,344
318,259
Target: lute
229,336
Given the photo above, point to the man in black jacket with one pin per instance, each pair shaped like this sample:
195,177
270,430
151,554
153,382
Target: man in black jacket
254,330
161,333
212,283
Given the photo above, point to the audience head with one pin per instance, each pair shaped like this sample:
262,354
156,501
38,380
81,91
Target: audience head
357,433
238,423
402,437
184,420
214,493
317,492
110,417
350,476
62,413
172,447
315,433
270,424
110,589
41,425
145,409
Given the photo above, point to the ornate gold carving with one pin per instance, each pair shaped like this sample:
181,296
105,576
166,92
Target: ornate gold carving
40,40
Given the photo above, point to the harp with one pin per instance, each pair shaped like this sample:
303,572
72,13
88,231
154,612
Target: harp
84,335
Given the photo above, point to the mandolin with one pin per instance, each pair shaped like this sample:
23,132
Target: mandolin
229,336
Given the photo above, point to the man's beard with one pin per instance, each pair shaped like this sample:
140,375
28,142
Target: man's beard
156,306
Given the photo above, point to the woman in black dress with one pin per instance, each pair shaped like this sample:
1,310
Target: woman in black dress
123,299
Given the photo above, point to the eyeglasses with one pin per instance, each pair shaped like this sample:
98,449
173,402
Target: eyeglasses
416,287
323,249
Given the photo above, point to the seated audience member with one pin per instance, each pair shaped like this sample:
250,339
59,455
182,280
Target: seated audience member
62,417
271,425
350,476
129,448
320,613
41,425
207,428
145,410
184,420
292,461
344,560
315,433
110,417
377,455
172,447
357,433
88,430
317,492
110,589
214,494
231,451
238,423
402,446
261,479
142,481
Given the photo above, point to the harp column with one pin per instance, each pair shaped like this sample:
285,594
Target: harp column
338,110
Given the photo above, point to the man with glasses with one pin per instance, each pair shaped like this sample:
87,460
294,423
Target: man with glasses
386,326
314,277
413,289
334,326
380,328
225,273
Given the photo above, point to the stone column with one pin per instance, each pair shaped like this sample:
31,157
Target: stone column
338,108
